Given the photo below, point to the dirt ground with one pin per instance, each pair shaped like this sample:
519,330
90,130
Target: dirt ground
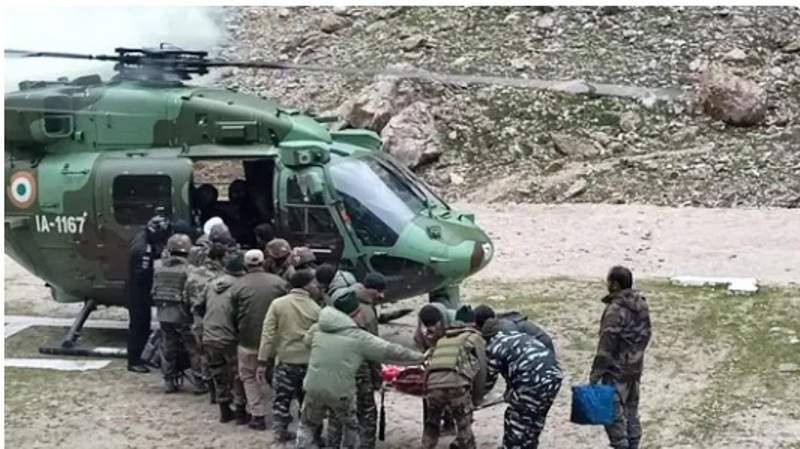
721,372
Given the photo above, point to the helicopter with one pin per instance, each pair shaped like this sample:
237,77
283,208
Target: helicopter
88,162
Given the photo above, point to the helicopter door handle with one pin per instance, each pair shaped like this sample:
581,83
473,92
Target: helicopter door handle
439,259
379,253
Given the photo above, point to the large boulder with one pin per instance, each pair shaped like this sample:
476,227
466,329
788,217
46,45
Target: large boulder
730,98
411,136
378,102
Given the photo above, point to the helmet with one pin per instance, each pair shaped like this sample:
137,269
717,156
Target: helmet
179,244
302,255
278,249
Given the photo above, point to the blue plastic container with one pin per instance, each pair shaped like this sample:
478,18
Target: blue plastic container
593,404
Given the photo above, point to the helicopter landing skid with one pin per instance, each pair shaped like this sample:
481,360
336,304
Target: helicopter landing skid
449,296
75,330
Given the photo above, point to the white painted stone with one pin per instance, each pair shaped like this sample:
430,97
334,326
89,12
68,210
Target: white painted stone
735,285
57,364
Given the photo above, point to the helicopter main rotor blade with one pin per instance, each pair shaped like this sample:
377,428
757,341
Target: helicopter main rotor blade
55,54
573,86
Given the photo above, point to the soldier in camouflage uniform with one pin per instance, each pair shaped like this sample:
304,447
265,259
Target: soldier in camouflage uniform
287,321
220,339
455,380
533,378
199,277
278,260
513,320
624,335
174,314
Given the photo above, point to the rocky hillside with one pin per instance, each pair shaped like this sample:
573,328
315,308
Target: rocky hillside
732,139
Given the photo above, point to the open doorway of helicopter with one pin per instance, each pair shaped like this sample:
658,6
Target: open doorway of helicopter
239,191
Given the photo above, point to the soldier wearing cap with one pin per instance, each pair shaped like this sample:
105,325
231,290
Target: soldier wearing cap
174,312
278,260
251,297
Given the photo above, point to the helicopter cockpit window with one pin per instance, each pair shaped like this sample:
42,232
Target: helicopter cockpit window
57,116
307,215
136,197
379,204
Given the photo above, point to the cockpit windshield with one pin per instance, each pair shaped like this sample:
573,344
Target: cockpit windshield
379,202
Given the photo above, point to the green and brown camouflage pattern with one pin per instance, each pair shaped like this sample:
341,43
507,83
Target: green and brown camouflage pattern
133,127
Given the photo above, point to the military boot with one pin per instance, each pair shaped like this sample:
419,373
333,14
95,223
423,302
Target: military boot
225,413
212,391
257,423
284,436
171,385
242,417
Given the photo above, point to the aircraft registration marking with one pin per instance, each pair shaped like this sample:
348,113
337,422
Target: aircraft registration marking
60,224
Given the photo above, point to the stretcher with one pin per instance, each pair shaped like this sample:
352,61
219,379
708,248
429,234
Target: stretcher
410,380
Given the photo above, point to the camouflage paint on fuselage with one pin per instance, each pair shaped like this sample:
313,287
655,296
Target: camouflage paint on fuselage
67,235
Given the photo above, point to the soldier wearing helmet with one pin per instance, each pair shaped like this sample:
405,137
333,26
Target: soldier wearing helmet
303,257
278,258
174,313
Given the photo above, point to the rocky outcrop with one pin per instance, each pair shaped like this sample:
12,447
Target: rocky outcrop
730,98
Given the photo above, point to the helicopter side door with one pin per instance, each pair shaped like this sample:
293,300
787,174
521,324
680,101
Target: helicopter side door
131,186
306,215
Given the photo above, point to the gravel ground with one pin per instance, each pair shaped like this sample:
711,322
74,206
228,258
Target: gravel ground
617,149
533,243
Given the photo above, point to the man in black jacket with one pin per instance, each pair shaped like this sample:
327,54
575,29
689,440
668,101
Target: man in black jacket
513,321
146,247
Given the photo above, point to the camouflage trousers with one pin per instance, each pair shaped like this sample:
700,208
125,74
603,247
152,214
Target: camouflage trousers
626,431
364,416
202,353
178,338
287,382
459,401
526,413
224,370
338,411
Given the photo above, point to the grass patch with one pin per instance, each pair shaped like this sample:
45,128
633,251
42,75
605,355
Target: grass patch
736,344
762,333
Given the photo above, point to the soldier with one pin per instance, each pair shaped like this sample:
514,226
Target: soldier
455,380
338,347
368,376
278,262
533,378
174,314
434,319
331,279
303,257
624,335
513,320
286,324
251,297
264,233
220,338
199,277
146,247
